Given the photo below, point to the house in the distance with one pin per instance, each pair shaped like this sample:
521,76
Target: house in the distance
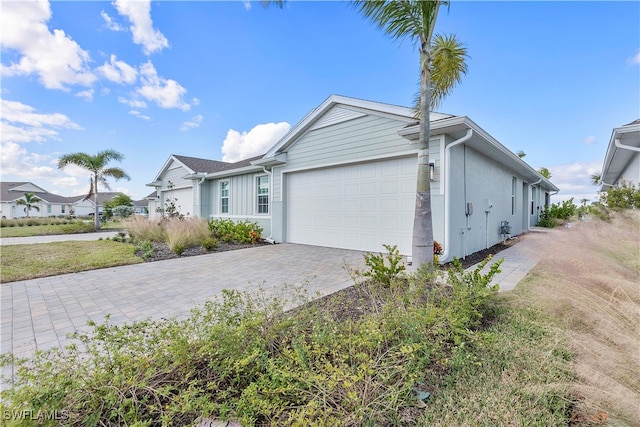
50,205
345,177
83,206
622,161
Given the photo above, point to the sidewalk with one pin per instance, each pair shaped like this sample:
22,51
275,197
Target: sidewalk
55,238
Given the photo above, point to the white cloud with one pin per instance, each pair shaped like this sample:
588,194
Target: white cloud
192,124
238,146
20,123
166,93
590,140
139,15
118,71
574,180
139,115
247,5
135,103
55,57
86,94
635,59
110,23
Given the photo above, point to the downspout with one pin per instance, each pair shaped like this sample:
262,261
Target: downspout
270,239
447,198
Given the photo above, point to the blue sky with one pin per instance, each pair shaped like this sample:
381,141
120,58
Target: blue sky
223,80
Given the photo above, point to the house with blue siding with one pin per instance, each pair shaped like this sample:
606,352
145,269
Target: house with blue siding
345,177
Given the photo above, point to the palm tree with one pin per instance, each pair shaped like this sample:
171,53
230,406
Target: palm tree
521,154
447,67
545,172
97,165
596,178
416,20
29,202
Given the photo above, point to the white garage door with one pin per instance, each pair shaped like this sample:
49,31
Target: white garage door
358,206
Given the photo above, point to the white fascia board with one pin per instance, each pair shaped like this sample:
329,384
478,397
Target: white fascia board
612,149
314,114
233,172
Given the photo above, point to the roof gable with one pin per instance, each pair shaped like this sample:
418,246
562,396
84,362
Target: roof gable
337,109
623,146
10,191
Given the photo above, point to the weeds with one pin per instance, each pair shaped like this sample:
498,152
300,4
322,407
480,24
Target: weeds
245,357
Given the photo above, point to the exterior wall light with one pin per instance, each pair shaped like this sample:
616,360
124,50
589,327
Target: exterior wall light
432,171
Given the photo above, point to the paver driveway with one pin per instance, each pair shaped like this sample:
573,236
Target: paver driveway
37,314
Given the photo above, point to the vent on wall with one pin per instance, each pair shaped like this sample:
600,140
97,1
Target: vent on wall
335,116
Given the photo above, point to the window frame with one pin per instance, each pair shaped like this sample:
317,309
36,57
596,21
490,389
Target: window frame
223,197
260,195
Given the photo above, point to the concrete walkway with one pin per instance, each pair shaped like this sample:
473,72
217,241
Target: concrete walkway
56,238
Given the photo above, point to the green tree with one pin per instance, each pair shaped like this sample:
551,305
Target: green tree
119,199
545,172
416,20
521,153
97,165
29,202
623,196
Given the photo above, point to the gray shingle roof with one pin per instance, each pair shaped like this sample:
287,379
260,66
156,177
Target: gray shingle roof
8,193
209,166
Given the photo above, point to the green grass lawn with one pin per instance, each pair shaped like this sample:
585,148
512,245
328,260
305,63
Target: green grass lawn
21,262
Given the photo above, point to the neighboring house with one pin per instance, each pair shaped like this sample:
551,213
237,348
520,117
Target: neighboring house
622,161
141,207
345,177
51,204
85,207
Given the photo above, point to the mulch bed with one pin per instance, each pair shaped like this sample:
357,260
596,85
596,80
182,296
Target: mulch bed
161,251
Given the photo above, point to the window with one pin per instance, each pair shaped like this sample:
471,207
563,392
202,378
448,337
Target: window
224,196
514,187
63,208
48,209
263,194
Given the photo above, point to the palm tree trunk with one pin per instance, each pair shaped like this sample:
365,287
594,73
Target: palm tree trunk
96,215
422,247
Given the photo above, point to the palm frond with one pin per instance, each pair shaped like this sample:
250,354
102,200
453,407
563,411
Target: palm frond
116,173
448,66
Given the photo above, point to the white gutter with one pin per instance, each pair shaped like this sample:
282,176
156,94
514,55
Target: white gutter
447,198
269,239
625,147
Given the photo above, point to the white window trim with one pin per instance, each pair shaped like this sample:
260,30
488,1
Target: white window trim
514,194
228,197
255,192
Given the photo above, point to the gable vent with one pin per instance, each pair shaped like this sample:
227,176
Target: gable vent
336,115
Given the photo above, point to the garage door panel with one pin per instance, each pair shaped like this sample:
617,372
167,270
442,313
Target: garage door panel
354,207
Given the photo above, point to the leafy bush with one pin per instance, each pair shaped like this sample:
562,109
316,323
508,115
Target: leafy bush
122,211
246,358
210,243
624,196
230,231
146,249
551,215
384,273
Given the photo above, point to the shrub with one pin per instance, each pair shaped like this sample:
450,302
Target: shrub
122,211
230,231
210,243
563,211
146,248
77,227
384,273
623,196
